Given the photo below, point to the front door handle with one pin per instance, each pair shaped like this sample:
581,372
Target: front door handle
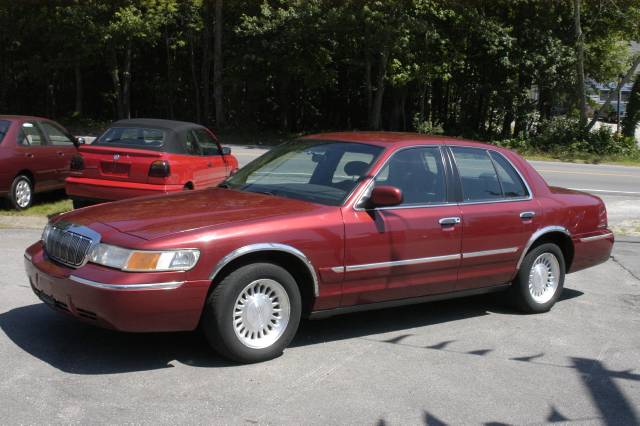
449,221
527,215
60,154
29,155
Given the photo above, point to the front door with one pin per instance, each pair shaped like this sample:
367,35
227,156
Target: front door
498,217
408,250
216,165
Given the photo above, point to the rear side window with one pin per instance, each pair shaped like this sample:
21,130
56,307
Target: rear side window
133,137
512,184
477,174
4,129
30,135
418,173
56,135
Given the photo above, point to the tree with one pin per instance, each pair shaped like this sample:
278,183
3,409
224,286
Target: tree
633,110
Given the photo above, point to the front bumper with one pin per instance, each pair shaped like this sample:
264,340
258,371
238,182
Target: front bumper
134,302
112,190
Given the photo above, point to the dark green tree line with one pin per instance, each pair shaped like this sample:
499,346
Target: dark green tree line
485,69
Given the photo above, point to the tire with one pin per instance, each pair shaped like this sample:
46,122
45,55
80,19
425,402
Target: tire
233,327
21,195
79,203
540,280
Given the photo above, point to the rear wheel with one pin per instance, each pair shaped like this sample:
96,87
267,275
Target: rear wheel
253,313
21,195
540,280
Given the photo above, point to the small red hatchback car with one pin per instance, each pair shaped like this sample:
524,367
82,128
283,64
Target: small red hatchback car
327,224
34,157
144,157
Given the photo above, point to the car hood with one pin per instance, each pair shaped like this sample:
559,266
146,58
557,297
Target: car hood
155,217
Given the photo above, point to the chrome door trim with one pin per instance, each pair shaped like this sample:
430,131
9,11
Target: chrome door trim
171,285
390,264
596,237
527,215
489,252
540,232
253,248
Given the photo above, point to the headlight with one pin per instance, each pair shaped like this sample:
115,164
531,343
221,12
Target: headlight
45,232
144,261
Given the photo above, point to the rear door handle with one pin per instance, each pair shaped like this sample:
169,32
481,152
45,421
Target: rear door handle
28,155
449,221
527,215
60,154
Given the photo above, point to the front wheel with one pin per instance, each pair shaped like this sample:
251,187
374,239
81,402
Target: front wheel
540,280
253,313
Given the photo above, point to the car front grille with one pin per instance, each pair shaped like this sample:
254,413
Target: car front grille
67,244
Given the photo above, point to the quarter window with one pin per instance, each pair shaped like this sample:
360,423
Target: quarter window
477,174
512,184
418,173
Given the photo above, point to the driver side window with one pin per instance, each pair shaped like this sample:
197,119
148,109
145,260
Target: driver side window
418,173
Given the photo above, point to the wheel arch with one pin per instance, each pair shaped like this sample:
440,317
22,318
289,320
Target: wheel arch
28,174
557,235
288,257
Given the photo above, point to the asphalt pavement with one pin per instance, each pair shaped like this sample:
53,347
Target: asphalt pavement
466,361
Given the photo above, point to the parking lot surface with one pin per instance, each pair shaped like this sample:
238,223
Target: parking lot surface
466,361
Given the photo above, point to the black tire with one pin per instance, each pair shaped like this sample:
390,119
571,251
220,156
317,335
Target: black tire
218,316
521,296
18,202
79,203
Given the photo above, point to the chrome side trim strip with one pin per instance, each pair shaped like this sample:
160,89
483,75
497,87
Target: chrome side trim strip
252,248
489,252
379,265
27,256
596,237
128,287
539,233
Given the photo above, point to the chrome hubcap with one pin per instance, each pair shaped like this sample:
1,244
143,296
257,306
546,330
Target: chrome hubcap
544,277
261,313
23,193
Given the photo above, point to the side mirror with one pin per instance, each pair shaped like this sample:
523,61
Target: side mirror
226,150
385,196
79,141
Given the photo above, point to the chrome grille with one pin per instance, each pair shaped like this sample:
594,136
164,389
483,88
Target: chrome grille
67,245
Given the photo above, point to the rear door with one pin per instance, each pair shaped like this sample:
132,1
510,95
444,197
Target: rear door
498,216
60,143
36,156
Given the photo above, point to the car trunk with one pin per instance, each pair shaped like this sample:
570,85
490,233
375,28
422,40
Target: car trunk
112,163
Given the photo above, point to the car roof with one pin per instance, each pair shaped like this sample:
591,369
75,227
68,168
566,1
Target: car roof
156,124
386,139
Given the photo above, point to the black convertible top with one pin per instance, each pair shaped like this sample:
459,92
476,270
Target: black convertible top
175,133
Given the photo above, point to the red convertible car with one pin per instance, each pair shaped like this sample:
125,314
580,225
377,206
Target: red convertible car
34,157
328,224
141,157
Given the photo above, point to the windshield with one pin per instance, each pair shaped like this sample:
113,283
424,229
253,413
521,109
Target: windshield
4,128
133,137
322,172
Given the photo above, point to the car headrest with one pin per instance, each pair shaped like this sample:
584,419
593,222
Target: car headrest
355,168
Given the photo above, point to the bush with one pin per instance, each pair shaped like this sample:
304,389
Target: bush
564,137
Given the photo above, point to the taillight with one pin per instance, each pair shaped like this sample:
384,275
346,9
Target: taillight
159,168
77,162
602,216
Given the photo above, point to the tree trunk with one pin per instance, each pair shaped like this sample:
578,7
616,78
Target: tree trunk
368,84
115,77
170,79
126,83
205,70
581,96
78,73
218,92
194,77
633,110
376,108
506,125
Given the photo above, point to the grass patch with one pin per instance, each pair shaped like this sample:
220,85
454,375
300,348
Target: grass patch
45,205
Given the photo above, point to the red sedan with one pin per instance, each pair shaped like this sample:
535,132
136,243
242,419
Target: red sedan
329,224
34,157
145,157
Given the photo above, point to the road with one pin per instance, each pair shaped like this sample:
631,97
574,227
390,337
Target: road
467,361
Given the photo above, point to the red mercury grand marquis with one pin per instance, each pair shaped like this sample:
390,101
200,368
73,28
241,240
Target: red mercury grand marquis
328,224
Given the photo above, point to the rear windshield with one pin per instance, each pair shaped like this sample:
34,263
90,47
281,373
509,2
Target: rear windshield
4,128
133,137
